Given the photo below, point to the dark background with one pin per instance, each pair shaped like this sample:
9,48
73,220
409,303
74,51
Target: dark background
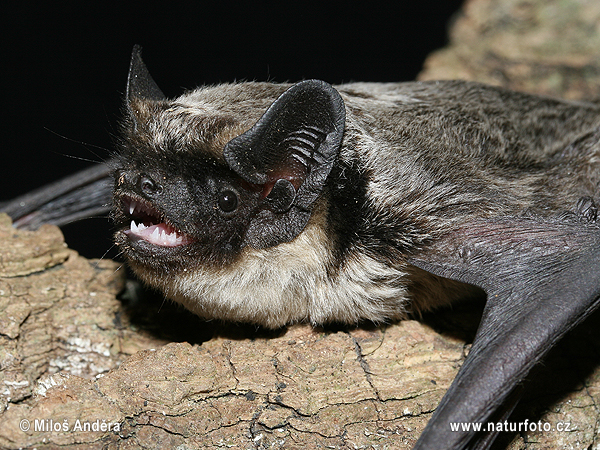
64,67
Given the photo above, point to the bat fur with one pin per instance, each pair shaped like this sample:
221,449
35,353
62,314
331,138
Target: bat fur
277,203
415,160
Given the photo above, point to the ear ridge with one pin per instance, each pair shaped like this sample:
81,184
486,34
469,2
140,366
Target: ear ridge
291,150
140,84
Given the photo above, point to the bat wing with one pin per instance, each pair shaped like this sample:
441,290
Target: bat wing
542,277
87,193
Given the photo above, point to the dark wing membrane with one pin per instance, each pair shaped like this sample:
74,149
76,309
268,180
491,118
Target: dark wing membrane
542,277
87,193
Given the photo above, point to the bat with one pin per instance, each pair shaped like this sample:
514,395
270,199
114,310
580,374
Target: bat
280,203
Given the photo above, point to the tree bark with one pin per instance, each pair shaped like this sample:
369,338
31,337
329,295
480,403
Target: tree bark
147,374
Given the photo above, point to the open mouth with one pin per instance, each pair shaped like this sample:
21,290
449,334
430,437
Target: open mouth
149,225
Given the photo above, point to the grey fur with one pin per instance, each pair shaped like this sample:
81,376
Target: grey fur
431,155
436,187
435,184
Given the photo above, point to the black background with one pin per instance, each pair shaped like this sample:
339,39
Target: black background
65,66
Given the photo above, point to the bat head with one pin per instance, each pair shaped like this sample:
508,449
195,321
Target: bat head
219,170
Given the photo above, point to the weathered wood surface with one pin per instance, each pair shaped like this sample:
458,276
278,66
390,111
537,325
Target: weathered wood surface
72,355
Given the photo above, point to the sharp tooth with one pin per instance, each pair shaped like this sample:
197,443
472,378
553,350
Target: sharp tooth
131,208
156,234
141,226
133,227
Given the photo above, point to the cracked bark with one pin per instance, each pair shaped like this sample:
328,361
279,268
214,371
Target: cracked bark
69,350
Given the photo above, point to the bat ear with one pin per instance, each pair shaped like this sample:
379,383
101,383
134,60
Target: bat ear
140,83
290,151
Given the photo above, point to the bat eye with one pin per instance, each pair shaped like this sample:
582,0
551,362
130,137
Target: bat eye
228,201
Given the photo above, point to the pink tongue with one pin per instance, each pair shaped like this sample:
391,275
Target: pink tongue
160,234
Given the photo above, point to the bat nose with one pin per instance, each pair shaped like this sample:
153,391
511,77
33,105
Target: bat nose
141,183
148,186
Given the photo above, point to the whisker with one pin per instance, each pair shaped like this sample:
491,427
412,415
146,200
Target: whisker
86,145
118,268
164,301
106,253
80,158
